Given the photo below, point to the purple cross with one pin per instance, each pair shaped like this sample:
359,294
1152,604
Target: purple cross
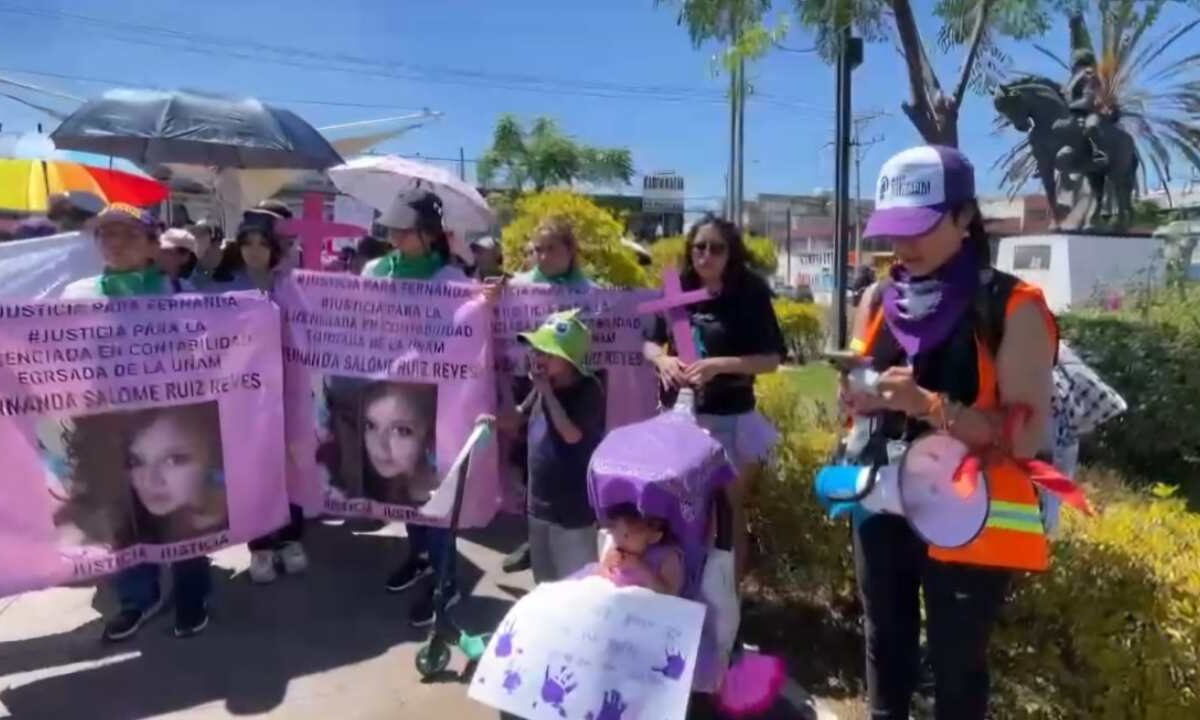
673,301
312,229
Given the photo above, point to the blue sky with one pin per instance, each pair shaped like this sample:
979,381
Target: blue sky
459,56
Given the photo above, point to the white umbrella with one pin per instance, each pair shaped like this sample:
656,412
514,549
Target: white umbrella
378,179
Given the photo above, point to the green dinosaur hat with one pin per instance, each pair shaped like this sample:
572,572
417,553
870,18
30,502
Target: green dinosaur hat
563,335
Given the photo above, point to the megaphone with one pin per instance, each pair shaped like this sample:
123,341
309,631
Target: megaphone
935,486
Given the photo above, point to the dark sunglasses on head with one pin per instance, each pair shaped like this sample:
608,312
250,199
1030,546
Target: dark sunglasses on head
711,248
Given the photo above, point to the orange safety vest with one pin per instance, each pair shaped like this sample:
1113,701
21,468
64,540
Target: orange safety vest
1013,537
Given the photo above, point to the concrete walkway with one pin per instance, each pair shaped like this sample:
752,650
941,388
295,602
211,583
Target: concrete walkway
328,644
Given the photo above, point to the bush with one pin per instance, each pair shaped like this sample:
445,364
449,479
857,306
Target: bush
1148,353
801,550
1113,630
802,329
669,251
599,233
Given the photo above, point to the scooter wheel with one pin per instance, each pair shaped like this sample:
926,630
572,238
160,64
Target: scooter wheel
432,659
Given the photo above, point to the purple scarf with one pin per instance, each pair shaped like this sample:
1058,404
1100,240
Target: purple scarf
922,312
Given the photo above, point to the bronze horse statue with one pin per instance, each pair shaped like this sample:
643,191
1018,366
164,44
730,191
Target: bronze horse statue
1059,140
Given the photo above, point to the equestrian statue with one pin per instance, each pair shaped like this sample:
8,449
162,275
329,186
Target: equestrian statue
1073,134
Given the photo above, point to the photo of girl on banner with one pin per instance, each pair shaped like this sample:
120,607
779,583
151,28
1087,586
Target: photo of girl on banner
147,476
380,439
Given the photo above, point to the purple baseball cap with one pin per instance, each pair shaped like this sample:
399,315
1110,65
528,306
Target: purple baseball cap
917,187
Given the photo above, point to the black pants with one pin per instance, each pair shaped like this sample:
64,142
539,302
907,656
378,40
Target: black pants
961,604
292,532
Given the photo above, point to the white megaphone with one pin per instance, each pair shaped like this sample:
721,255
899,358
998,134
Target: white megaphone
945,507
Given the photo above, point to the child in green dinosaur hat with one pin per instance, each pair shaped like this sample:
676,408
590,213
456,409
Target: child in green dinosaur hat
566,423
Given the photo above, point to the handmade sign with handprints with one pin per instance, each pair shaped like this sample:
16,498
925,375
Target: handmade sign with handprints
588,649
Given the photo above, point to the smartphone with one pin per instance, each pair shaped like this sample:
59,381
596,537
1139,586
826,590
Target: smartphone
846,361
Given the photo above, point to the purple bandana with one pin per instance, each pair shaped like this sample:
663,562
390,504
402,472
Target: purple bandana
922,312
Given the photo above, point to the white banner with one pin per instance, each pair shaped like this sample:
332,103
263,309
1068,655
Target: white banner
39,268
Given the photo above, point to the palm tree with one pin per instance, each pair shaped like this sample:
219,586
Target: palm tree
1157,101
544,156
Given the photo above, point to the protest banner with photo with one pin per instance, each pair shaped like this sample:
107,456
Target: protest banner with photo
136,430
629,381
385,382
588,649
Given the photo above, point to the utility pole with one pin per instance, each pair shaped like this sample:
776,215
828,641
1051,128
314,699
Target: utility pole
788,279
462,164
860,149
742,137
850,55
732,207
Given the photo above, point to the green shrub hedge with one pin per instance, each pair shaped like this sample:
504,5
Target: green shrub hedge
802,329
1150,353
1112,631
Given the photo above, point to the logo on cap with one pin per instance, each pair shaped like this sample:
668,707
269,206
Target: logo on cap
903,186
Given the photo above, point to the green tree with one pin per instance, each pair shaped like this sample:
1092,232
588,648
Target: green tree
972,27
1157,101
544,156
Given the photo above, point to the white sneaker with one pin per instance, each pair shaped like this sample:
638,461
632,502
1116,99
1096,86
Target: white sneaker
293,558
262,566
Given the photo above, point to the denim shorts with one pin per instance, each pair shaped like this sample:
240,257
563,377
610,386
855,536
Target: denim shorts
748,438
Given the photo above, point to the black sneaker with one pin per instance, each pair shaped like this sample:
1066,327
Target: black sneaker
190,622
422,613
127,622
517,560
408,574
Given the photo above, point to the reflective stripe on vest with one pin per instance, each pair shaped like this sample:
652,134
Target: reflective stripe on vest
1014,536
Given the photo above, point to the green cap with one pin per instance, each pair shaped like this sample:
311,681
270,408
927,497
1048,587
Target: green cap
563,335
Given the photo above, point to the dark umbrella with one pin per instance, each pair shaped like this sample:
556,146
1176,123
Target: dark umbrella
152,127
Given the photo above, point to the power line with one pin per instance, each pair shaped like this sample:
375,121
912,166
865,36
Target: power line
112,82
287,55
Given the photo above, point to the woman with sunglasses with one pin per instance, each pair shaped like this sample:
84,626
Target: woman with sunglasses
737,337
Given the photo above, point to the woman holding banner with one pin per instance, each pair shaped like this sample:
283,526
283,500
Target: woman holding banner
422,252
737,337
252,262
128,242
555,252
964,350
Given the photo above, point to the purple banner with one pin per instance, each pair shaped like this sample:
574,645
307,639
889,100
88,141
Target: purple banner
126,427
630,384
385,381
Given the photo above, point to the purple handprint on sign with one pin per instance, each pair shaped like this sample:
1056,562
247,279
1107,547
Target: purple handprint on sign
612,709
512,681
556,688
673,667
504,643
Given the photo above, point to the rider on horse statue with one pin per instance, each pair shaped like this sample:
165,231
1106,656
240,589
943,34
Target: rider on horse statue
1082,92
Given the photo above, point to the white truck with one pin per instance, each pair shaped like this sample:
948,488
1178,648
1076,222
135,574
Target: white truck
1074,269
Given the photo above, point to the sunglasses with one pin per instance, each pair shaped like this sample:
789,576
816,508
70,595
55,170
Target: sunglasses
711,248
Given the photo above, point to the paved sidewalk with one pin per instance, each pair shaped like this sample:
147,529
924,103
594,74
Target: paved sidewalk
329,644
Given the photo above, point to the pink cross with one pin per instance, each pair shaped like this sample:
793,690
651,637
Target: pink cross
312,229
673,301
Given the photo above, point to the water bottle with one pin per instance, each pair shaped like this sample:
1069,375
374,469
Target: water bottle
862,379
685,402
